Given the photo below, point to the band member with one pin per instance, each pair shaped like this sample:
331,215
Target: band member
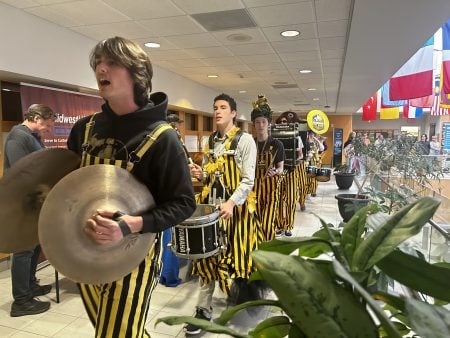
23,140
290,188
228,173
269,167
314,149
131,132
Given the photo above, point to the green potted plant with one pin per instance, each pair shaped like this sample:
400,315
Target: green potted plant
343,176
336,297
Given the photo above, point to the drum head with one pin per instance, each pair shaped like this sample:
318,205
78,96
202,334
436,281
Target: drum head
75,199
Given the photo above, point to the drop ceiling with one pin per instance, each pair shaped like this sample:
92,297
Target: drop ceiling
350,46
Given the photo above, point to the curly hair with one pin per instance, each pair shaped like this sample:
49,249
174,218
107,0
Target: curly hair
41,110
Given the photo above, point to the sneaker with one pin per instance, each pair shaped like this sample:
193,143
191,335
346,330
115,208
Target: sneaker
32,307
201,314
40,290
313,195
278,233
288,233
302,207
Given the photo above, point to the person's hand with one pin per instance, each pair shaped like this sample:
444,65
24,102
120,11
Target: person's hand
226,209
272,172
196,171
101,227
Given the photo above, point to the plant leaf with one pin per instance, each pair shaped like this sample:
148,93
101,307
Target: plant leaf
429,321
273,327
201,323
353,230
312,300
229,313
403,224
388,326
288,245
417,274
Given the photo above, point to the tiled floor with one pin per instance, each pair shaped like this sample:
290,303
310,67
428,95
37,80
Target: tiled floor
68,318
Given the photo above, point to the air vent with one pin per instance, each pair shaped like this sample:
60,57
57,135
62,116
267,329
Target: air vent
223,20
301,104
285,86
239,37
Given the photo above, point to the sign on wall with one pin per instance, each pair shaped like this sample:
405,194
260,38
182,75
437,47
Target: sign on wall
337,146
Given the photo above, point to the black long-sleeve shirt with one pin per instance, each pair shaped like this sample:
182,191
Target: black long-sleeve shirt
163,169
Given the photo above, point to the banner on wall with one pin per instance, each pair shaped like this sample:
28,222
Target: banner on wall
68,106
338,137
446,136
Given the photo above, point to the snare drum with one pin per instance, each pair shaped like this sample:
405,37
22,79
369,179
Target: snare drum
311,171
198,236
323,174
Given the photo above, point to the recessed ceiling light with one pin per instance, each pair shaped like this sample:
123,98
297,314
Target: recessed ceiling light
242,91
305,71
6,90
213,76
312,89
152,45
316,99
290,34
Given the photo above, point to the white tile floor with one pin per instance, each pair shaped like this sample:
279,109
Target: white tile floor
68,318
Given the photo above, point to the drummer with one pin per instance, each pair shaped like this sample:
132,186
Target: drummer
314,150
269,167
25,139
122,134
293,182
228,174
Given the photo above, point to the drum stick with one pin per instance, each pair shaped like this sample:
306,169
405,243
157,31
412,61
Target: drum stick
271,163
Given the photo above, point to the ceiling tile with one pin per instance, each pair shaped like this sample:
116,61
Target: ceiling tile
296,46
332,28
177,25
164,43
328,10
333,62
265,58
274,66
208,52
300,56
21,3
202,6
222,61
261,3
302,12
54,16
307,31
88,12
251,49
186,63
129,29
144,9
194,40
337,42
167,54
332,53
240,36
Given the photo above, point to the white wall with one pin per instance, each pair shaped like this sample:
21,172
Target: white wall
423,123
37,48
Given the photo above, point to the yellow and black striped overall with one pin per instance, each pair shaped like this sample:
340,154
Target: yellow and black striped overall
311,182
119,308
267,191
241,229
302,183
289,197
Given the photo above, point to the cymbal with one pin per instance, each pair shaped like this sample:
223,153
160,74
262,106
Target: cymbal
23,189
63,218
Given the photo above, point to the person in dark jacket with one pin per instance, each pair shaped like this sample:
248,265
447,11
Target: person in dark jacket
130,114
23,140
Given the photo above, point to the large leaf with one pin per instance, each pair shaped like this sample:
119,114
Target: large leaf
273,327
312,300
353,231
417,274
429,321
382,241
229,313
288,245
388,326
201,323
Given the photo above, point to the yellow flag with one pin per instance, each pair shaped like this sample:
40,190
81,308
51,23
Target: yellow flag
390,113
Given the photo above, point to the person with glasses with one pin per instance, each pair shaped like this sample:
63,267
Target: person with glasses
23,140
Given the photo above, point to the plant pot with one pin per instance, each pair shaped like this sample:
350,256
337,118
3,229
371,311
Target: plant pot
348,204
344,180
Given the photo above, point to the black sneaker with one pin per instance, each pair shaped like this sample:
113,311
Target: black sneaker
288,233
201,314
40,290
32,307
278,233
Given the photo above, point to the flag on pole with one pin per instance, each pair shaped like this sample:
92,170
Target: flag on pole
436,109
370,108
446,57
385,98
444,100
412,112
415,77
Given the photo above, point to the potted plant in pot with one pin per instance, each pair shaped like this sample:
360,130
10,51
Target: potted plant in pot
343,176
334,297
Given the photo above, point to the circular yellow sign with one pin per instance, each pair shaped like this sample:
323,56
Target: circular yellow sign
318,121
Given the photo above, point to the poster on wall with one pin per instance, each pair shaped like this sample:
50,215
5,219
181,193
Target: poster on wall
68,106
337,146
446,136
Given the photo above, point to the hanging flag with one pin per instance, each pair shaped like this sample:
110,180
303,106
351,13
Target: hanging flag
385,98
370,108
390,113
436,109
412,112
444,100
446,56
415,77
423,102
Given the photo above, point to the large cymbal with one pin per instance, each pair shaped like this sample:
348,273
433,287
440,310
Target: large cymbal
63,218
23,189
